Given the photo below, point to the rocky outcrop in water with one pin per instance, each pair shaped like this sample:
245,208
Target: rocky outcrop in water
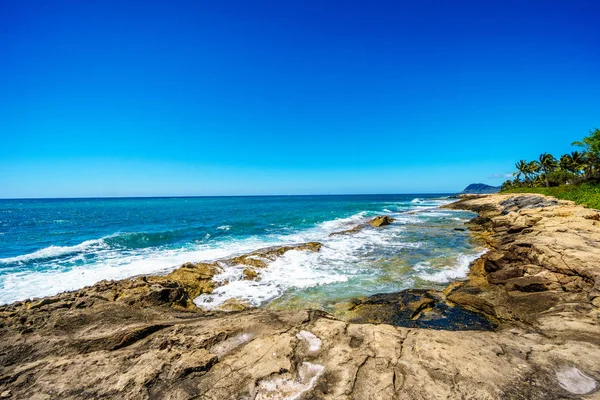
377,222
381,221
176,290
537,288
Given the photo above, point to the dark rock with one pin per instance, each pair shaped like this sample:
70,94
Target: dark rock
516,229
418,308
593,217
350,231
494,261
529,284
504,275
525,202
479,223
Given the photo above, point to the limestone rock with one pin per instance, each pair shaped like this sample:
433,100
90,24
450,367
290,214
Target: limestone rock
382,220
250,274
530,284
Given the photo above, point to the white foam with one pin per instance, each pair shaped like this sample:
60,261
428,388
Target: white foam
341,258
449,273
432,202
433,213
56,251
339,223
112,264
294,269
224,227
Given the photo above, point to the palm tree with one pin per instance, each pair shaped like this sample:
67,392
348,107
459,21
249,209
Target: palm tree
547,163
539,181
577,160
591,146
566,163
590,143
533,168
591,165
522,170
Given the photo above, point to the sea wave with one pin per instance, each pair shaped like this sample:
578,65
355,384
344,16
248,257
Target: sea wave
295,269
449,273
341,258
341,223
138,240
56,269
111,264
56,251
121,240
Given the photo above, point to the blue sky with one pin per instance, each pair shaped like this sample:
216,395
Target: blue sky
128,98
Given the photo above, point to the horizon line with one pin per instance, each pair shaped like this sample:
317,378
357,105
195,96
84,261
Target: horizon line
217,196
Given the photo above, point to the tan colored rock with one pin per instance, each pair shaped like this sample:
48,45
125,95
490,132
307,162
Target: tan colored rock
533,283
382,220
250,274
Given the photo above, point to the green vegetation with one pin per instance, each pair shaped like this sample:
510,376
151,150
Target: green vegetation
574,176
586,194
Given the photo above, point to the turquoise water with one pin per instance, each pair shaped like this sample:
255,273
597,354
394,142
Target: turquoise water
49,246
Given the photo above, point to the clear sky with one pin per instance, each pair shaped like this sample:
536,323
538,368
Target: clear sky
130,98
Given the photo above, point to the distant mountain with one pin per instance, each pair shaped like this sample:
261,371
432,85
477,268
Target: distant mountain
480,188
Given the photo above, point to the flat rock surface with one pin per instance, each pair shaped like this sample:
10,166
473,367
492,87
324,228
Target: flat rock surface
537,287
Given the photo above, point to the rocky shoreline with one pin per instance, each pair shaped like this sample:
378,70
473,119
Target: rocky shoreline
525,325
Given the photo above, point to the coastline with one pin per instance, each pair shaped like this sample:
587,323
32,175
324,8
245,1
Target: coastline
539,285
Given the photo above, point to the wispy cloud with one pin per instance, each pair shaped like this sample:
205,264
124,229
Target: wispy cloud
499,176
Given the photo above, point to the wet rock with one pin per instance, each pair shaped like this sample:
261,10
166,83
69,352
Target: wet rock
261,258
351,231
417,308
250,274
382,220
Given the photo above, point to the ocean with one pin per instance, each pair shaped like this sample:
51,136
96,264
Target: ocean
49,246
